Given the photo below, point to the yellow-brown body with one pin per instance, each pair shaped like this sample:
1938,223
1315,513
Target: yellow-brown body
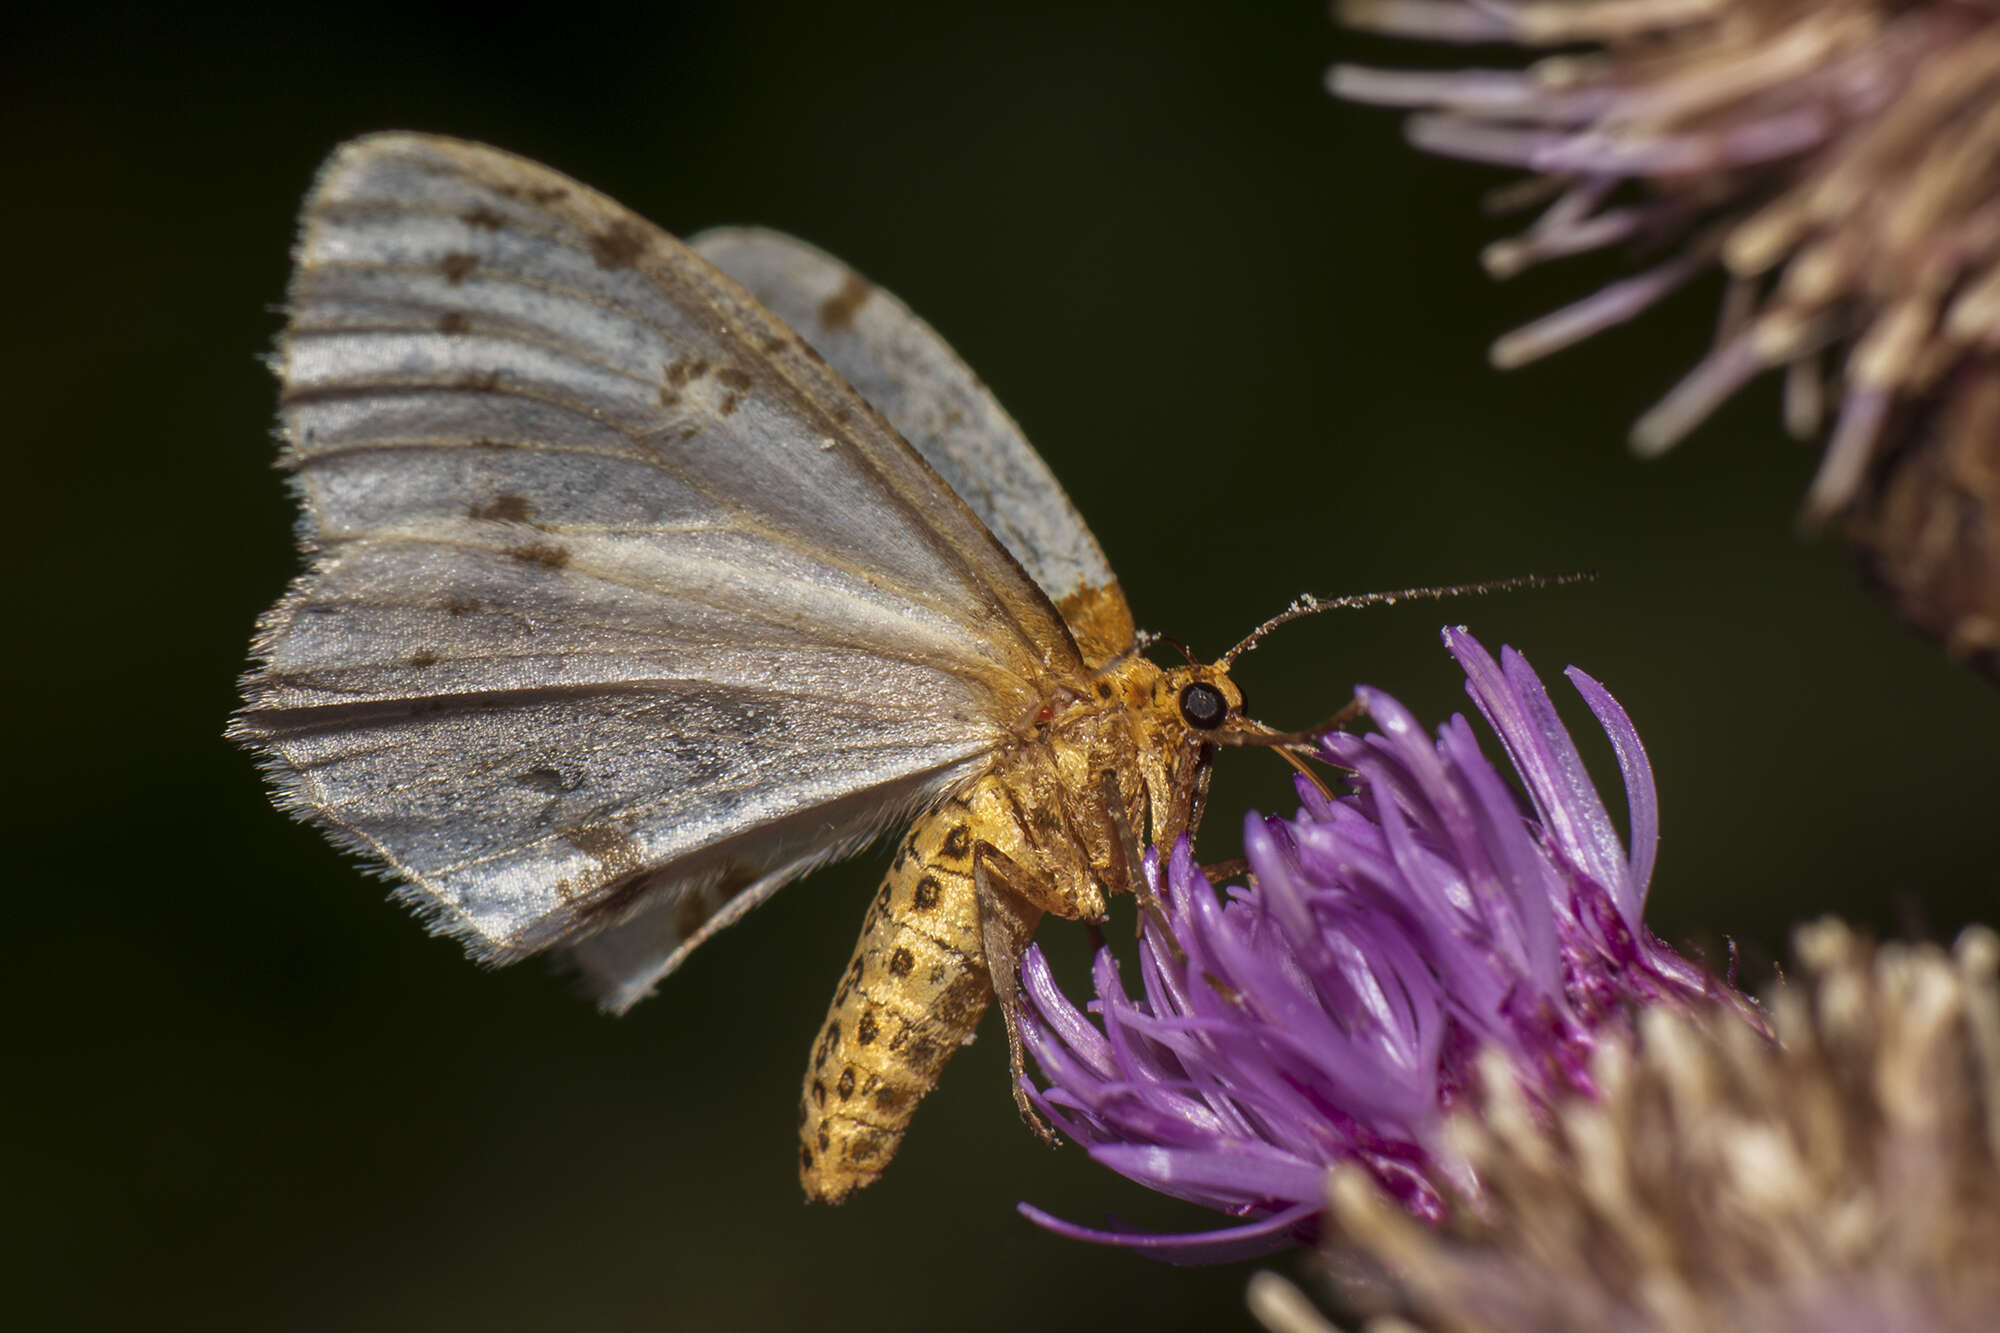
1051,827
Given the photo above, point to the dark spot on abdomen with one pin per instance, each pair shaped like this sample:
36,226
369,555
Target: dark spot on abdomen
868,1144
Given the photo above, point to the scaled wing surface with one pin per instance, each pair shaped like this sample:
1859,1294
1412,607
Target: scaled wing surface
624,607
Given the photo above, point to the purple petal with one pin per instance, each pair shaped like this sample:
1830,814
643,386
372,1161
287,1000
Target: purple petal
1249,1241
1642,799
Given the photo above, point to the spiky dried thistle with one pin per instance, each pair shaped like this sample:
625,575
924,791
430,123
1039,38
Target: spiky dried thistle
1839,160
1846,1178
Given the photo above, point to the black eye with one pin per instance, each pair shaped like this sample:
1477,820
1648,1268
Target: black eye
1202,706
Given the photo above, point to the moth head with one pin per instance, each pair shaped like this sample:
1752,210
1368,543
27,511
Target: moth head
1201,704
1214,705
1202,700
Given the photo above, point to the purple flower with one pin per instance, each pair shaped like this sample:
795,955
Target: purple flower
1332,1011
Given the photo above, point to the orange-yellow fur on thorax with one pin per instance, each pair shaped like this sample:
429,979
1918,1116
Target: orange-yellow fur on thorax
1047,822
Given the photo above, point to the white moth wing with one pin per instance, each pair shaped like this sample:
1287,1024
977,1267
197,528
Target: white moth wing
911,375
622,606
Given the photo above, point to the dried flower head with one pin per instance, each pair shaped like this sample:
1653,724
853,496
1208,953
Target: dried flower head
1927,527
1839,159
1331,1011
1845,1178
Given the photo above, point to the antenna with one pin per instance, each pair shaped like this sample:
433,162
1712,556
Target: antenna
1309,605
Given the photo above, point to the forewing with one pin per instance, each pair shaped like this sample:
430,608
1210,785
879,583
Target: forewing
623,605
901,365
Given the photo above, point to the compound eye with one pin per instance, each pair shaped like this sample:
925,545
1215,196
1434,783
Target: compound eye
1203,707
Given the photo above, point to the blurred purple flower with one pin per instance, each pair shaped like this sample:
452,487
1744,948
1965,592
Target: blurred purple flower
1333,1010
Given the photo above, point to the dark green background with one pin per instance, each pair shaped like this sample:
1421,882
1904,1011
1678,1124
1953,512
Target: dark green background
1245,326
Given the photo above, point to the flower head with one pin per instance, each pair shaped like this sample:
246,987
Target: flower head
1840,159
1332,1010
1845,1177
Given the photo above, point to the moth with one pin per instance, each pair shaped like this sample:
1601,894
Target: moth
646,577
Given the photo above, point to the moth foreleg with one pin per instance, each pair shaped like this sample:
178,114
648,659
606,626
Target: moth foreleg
1010,905
1150,907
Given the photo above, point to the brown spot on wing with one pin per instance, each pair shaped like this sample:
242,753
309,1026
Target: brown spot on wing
612,848
506,508
540,195
546,554
451,321
619,244
483,218
683,371
456,265
548,779
837,312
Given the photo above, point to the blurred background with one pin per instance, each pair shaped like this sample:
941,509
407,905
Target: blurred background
1246,327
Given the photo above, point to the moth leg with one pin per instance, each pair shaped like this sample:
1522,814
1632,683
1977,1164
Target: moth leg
1010,906
1129,854
1150,906
1299,766
1222,870
1197,799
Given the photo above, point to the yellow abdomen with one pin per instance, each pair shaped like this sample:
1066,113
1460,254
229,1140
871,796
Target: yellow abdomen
913,993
